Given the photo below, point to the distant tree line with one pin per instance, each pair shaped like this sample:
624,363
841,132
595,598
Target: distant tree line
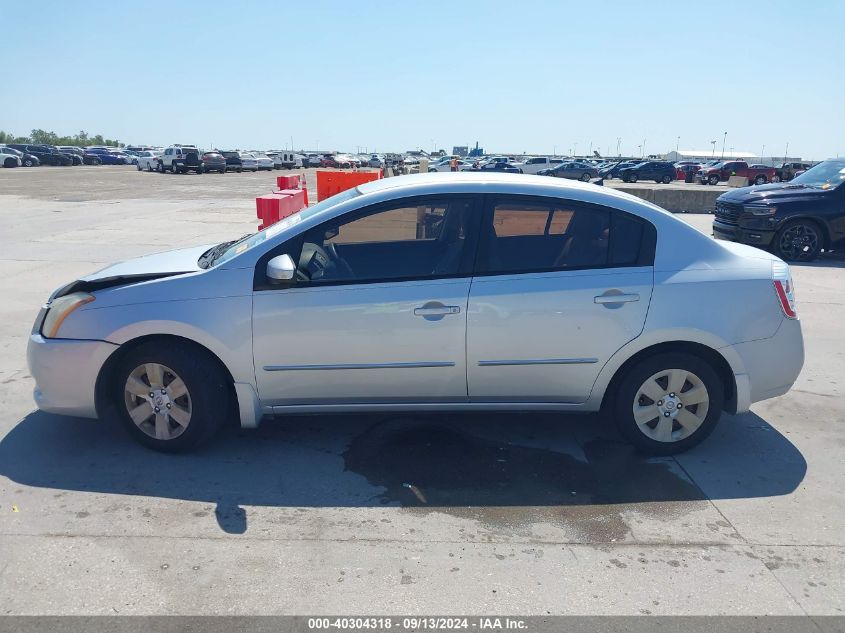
42,137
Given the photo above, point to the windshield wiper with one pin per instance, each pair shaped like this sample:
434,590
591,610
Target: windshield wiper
208,258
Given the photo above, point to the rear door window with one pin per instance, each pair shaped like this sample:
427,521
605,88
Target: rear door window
520,236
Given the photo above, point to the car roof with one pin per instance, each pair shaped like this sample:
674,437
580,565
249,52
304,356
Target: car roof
503,182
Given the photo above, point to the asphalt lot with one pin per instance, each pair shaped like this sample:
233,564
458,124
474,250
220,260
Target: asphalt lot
516,513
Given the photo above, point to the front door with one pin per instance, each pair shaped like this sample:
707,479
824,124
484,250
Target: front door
379,312
559,288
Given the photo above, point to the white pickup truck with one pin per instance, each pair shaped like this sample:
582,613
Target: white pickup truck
534,165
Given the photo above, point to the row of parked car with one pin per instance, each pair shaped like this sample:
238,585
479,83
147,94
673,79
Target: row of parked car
33,155
189,158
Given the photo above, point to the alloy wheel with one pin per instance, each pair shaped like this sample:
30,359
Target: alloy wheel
670,405
799,242
157,401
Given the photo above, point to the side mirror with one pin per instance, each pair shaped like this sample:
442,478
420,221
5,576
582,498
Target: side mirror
281,269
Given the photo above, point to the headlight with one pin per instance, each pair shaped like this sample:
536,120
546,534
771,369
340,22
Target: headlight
60,308
760,209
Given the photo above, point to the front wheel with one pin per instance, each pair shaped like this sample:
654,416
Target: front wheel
713,180
632,178
799,241
10,162
668,403
170,397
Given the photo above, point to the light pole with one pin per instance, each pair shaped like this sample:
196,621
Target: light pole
576,147
640,147
762,152
678,145
714,148
618,141
724,138
786,152
554,150
642,153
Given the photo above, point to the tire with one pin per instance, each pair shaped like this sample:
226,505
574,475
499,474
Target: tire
10,162
138,165
632,177
713,180
149,167
173,169
585,177
760,180
776,178
160,167
160,366
799,241
240,170
666,179
690,423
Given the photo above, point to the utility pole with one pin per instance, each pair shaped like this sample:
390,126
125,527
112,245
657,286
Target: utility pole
724,138
618,141
762,152
677,145
642,154
786,152
714,147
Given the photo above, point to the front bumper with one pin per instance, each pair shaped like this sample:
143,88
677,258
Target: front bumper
736,233
65,373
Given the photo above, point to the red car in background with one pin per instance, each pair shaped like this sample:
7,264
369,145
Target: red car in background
721,171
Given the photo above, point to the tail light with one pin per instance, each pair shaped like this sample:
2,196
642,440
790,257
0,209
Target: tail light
782,279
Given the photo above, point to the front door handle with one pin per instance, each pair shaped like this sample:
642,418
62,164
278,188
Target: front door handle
616,298
434,310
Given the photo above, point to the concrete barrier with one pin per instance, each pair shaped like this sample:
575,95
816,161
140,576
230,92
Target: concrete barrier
737,181
678,200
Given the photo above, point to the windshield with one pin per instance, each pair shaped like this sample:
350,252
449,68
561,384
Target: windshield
826,175
231,249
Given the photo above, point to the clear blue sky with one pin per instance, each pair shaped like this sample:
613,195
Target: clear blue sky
514,75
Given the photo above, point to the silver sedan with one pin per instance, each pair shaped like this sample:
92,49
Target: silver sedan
429,293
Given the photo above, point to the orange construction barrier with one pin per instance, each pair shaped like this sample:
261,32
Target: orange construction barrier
272,207
333,182
288,182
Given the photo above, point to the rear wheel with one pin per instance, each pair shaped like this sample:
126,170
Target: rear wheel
170,397
632,177
666,179
799,241
585,177
776,178
760,180
668,403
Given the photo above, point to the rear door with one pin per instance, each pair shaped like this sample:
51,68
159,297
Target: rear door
559,287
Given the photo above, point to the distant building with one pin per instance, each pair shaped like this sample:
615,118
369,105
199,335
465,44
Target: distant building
460,150
709,154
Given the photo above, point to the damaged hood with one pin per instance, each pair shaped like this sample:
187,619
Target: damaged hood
146,268
183,260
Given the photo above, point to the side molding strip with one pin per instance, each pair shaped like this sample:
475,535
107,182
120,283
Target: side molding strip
359,366
538,361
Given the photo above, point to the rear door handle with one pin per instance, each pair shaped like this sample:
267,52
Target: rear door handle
616,298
